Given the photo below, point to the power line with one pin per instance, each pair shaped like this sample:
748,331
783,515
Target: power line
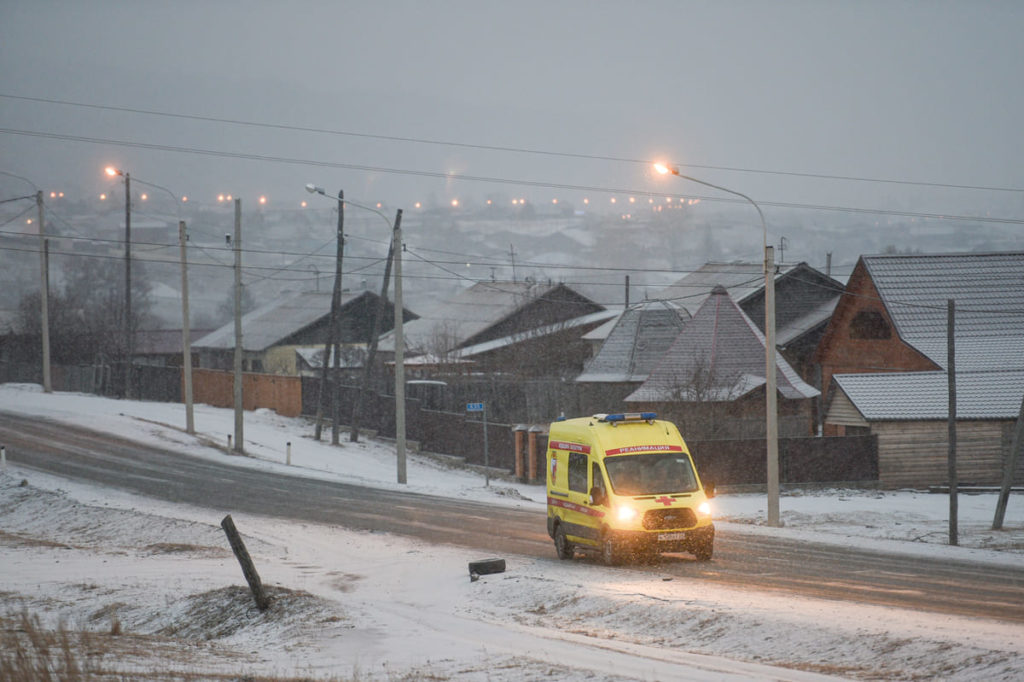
497,148
494,180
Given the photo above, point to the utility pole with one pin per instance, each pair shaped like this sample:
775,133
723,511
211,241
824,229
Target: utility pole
332,327
399,353
951,421
336,331
186,341
239,446
372,346
127,284
44,295
771,397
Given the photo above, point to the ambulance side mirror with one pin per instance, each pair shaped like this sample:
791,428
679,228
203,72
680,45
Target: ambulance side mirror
597,496
709,489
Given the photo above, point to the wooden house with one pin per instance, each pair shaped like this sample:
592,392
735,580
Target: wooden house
514,328
885,361
277,336
804,301
711,379
636,341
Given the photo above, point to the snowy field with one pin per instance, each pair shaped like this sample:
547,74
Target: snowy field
151,590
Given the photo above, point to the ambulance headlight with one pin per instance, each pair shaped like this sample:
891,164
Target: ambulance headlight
704,509
626,514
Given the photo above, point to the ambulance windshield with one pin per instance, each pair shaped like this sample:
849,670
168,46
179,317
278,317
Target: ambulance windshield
650,474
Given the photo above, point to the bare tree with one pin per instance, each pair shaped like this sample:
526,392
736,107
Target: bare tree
706,394
87,312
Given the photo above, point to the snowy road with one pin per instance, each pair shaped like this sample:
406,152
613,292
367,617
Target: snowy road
748,561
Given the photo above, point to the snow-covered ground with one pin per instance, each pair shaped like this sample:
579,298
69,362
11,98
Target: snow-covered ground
368,606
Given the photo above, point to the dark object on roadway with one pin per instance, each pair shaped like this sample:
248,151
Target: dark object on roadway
485,566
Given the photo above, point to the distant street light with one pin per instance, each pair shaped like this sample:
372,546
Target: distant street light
771,399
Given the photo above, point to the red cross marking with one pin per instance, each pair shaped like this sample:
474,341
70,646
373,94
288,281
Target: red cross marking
665,500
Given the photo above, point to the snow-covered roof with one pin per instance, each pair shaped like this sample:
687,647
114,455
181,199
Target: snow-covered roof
164,341
470,312
740,279
988,290
719,355
538,332
268,324
640,336
896,396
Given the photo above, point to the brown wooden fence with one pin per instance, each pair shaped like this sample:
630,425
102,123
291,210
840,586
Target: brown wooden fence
283,394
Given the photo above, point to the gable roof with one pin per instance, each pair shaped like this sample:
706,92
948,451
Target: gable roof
641,335
900,396
742,280
720,347
269,324
796,315
474,311
164,341
988,290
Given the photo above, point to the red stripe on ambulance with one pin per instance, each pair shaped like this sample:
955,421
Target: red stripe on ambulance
572,506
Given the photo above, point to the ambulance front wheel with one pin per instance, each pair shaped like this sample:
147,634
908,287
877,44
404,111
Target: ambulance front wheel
563,547
703,548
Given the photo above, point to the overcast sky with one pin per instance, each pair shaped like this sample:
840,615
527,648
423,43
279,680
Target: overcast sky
925,92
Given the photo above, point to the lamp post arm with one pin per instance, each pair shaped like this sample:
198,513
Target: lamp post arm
177,201
764,225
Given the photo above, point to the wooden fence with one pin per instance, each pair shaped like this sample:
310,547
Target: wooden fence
283,394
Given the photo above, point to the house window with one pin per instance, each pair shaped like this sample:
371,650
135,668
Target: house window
869,324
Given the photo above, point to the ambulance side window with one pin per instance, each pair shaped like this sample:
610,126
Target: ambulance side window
578,472
598,484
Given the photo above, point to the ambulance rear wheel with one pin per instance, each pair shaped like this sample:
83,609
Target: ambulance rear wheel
565,549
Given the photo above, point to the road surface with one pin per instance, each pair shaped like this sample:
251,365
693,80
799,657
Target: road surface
747,561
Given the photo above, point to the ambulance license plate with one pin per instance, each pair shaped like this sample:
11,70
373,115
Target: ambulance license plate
671,537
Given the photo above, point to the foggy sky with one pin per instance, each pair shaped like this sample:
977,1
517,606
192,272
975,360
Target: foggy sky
909,91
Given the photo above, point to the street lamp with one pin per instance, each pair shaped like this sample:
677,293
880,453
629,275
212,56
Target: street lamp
771,399
399,321
113,172
185,331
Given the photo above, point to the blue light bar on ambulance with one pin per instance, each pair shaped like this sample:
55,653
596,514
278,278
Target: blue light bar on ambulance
630,417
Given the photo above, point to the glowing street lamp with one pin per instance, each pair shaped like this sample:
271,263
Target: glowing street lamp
114,172
186,341
771,405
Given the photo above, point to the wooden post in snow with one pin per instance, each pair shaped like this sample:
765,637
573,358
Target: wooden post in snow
248,568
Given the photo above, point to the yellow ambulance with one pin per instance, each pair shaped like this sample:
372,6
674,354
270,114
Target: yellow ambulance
623,486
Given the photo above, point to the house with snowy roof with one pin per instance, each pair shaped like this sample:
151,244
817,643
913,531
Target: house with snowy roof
710,381
637,339
885,363
519,327
290,332
804,300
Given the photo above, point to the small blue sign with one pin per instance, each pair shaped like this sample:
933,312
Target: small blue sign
474,407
